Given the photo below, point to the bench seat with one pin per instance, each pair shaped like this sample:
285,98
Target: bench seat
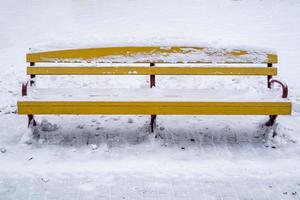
154,101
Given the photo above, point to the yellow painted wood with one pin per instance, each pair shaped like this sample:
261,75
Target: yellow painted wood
152,70
272,58
160,108
92,53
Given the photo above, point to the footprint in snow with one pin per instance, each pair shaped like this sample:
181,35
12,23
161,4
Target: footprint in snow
80,127
2,150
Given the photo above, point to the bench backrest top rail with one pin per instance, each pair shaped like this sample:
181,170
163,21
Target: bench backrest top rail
155,54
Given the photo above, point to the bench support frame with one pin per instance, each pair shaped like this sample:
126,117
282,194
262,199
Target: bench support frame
31,120
152,84
271,121
270,81
32,76
272,118
31,82
269,77
24,89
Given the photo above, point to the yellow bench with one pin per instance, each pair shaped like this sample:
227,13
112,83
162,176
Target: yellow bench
152,61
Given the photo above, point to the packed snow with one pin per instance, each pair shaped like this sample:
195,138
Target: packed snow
115,157
153,94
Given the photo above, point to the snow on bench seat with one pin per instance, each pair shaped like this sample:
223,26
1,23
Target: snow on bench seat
150,94
153,101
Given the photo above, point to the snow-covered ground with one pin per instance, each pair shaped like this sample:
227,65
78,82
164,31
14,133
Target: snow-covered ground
113,157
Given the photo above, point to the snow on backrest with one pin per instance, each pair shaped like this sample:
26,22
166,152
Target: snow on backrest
155,54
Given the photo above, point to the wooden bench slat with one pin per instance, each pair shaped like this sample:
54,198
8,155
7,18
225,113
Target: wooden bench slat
160,108
257,71
145,53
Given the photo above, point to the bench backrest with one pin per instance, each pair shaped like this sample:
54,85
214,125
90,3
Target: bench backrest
154,60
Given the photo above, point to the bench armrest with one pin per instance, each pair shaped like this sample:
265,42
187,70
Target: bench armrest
24,89
284,86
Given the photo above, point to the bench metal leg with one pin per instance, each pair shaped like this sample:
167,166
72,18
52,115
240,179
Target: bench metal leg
153,123
271,120
31,120
34,128
272,125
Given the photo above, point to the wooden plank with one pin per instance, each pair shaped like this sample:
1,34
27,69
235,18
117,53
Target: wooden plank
272,58
146,51
160,108
256,71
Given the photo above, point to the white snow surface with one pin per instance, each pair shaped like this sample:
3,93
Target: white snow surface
104,153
